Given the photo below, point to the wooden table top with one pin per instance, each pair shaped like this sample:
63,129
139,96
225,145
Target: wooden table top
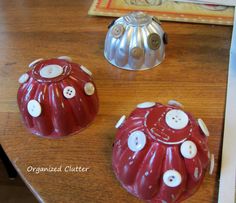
194,73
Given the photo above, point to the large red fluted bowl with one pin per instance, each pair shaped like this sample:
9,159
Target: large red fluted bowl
160,153
57,97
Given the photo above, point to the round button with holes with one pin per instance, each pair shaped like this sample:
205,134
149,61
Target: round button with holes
188,149
34,108
175,103
154,41
137,52
203,127
117,30
136,141
23,78
51,71
69,92
89,88
120,122
145,105
87,71
172,178
66,58
176,119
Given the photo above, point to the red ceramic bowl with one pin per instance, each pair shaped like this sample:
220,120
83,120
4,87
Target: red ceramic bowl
57,97
160,153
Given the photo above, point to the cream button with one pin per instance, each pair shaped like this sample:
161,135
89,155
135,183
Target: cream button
212,164
175,103
33,63
34,108
23,78
177,119
51,71
203,127
136,141
89,88
188,149
172,178
66,58
86,70
120,122
146,105
69,92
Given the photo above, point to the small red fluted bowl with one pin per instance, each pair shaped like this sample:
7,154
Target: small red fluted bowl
160,153
57,97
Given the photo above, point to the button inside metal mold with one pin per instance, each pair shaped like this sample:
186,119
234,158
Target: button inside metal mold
165,38
117,31
137,52
154,41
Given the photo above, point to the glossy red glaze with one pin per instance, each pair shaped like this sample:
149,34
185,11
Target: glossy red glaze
60,116
142,172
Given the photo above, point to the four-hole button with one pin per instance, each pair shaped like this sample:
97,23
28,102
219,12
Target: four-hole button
177,119
69,92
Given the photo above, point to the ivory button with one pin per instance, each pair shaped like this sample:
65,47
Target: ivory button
69,92
34,108
172,178
51,71
177,119
23,78
89,88
136,141
188,149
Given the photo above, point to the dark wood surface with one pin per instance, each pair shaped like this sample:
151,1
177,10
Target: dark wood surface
194,73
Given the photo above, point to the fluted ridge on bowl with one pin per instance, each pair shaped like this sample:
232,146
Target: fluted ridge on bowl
118,51
60,116
141,172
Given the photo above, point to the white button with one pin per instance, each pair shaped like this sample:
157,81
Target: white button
175,103
86,70
212,164
33,63
136,141
51,71
177,119
203,127
23,78
146,105
69,92
172,178
120,122
89,88
188,149
67,58
34,108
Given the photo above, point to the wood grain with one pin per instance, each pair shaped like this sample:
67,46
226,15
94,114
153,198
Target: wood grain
194,72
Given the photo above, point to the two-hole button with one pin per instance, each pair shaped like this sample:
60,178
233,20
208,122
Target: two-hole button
136,141
172,178
188,149
34,108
